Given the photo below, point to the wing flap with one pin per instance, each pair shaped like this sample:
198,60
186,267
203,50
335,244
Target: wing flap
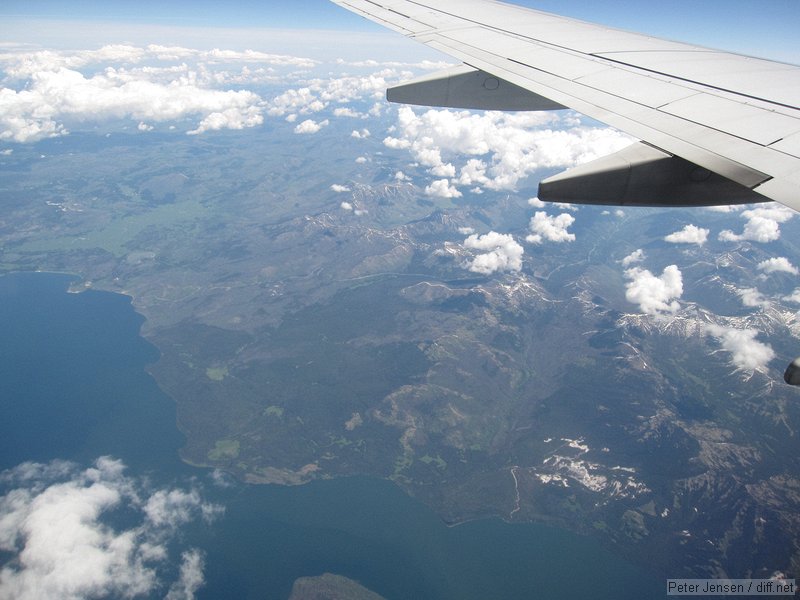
789,145
744,76
784,189
623,83
641,175
746,121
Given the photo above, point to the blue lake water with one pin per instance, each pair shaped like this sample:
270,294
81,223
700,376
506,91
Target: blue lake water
73,386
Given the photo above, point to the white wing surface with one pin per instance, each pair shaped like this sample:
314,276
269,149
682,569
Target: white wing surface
716,127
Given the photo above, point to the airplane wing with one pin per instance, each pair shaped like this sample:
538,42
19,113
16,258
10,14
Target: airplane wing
716,127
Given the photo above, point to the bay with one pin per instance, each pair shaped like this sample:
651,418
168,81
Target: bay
73,385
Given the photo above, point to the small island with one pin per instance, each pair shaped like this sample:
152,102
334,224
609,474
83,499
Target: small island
330,587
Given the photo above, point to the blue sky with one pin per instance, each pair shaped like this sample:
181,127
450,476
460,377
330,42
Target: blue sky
767,28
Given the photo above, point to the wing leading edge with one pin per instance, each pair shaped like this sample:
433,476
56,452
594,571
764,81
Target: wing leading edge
716,127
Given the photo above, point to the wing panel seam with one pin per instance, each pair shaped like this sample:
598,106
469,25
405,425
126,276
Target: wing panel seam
698,83
662,112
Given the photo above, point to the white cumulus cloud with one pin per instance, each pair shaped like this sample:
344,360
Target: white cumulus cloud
191,577
500,253
747,353
634,257
441,188
295,100
347,112
655,294
552,229
777,265
230,118
51,93
55,524
339,188
472,173
310,126
691,234
318,94
361,134
751,297
495,149
536,203
793,297
763,225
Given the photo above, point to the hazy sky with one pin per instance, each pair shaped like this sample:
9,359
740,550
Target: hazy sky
766,28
